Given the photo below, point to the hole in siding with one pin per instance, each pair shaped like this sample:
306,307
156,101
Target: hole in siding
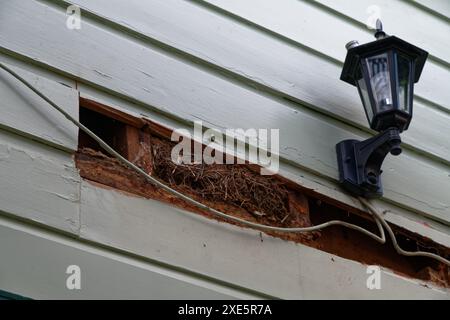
106,128
148,145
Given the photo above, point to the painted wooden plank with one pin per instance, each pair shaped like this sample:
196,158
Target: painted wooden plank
309,31
10,59
34,264
302,81
26,113
403,19
354,109
127,68
38,183
439,7
409,220
148,228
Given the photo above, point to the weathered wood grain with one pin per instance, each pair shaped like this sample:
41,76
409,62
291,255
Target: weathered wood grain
299,75
440,8
228,253
38,183
320,184
161,82
34,264
24,112
400,18
303,22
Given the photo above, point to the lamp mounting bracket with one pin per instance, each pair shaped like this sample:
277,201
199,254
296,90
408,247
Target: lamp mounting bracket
360,162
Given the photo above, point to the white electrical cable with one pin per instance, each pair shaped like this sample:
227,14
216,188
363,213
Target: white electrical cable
379,220
394,239
198,204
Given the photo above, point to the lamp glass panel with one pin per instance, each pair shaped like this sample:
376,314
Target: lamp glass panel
404,79
363,92
379,77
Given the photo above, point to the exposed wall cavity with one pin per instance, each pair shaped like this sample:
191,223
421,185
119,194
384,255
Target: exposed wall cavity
240,191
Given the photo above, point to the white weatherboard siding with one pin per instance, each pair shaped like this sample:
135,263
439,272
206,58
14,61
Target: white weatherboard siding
25,112
37,261
280,66
438,7
402,19
136,70
232,254
397,215
309,25
232,64
39,183
205,260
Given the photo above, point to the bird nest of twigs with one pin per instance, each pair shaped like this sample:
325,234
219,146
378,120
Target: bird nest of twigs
232,183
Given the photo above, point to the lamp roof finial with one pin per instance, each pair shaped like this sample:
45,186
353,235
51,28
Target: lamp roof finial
379,33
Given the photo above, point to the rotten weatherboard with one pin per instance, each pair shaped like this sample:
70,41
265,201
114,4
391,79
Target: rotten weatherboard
239,190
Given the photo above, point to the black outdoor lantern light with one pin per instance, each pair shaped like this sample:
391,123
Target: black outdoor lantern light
384,71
